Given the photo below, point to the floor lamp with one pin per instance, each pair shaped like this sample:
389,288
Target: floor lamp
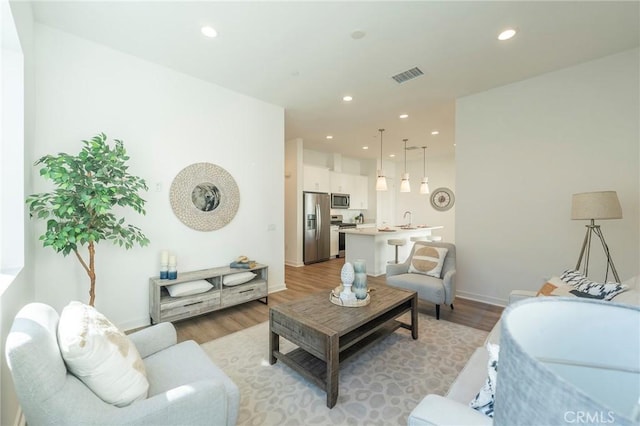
591,206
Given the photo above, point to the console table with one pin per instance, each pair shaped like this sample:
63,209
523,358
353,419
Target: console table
163,307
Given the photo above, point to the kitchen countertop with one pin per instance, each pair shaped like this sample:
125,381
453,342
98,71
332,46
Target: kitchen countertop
391,230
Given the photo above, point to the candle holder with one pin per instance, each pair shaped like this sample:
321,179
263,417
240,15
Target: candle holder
164,264
173,271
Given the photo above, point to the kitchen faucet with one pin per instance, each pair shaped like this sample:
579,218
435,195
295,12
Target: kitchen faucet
405,215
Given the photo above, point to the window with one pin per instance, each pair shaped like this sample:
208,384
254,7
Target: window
11,150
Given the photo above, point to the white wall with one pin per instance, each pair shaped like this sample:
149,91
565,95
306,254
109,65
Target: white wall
167,121
441,172
522,150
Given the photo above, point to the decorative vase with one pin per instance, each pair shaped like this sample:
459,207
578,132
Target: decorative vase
359,265
347,275
360,285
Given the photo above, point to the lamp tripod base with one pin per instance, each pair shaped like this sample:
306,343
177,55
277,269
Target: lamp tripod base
592,228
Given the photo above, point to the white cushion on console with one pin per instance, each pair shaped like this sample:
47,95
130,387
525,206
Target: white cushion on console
189,288
239,278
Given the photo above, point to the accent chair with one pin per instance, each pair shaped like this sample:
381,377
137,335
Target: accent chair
440,289
185,386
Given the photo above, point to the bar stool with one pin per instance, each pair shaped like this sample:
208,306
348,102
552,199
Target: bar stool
396,242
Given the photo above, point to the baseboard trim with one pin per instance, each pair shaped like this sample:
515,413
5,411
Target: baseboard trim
293,264
481,298
276,288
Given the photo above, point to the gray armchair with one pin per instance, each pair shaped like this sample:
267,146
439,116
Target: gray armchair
435,290
186,388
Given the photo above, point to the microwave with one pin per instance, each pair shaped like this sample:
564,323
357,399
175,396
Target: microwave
340,201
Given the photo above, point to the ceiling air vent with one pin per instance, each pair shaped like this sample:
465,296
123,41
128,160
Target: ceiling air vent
407,75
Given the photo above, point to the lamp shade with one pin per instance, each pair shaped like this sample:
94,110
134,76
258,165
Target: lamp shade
381,182
564,360
424,186
405,186
595,205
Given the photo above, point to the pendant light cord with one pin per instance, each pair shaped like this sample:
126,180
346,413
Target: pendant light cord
405,154
381,130
424,161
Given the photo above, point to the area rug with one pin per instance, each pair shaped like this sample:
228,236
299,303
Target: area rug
379,386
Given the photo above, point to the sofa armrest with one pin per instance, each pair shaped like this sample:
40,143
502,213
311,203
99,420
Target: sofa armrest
397,269
517,295
449,282
154,339
436,410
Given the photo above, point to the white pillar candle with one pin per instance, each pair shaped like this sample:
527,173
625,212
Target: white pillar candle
172,260
164,257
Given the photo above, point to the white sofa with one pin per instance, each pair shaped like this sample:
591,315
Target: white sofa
453,409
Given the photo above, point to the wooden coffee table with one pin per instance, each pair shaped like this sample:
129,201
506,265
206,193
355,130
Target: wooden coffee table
327,334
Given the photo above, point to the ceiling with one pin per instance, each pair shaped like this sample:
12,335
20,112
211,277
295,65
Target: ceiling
302,56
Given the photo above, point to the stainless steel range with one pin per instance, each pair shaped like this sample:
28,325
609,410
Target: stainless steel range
336,219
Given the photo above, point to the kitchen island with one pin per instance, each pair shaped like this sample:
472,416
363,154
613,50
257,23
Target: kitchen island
371,245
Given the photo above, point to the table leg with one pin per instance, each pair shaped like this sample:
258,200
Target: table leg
414,317
274,346
333,369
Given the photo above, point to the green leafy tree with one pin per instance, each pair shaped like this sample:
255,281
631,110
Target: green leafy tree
80,211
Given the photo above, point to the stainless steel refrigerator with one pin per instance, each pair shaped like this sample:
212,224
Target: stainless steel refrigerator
316,226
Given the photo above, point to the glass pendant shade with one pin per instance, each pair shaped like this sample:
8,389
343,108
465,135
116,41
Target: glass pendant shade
405,186
381,182
424,186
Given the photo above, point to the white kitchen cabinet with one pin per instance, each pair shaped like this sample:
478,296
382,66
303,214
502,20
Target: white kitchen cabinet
360,193
334,241
342,183
316,179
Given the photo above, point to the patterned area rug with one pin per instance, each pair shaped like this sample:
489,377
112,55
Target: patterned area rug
379,386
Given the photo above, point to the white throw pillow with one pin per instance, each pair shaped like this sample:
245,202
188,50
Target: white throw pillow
428,260
189,288
239,278
484,400
101,356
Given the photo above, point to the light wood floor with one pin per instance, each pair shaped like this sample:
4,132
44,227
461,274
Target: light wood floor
308,279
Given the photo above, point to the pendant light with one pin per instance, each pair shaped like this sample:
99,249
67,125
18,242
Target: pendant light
424,186
381,182
405,186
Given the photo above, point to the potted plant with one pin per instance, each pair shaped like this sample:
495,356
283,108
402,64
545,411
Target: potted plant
80,211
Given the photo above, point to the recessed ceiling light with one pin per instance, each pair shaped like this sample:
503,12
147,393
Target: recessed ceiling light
404,115
209,31
435,132
392,155
347,98
365,147
506,34
329,137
